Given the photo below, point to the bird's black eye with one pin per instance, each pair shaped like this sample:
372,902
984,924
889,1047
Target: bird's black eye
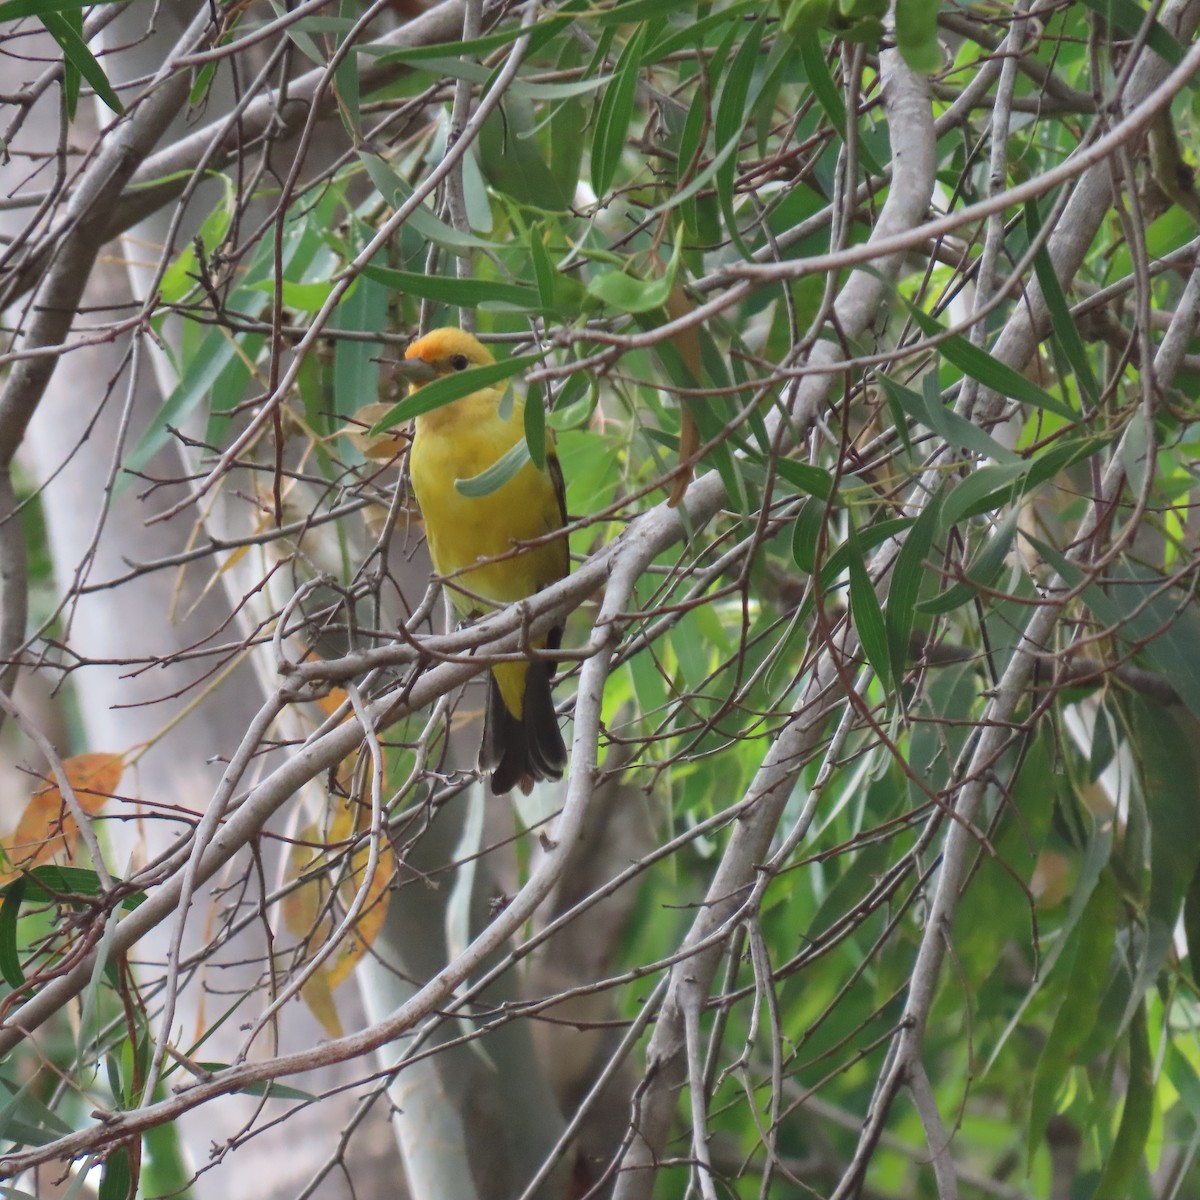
460,362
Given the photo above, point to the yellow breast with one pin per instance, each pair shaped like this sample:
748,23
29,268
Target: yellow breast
458,442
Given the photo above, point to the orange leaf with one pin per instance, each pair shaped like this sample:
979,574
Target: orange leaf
332,701
47,826
689,443
94,777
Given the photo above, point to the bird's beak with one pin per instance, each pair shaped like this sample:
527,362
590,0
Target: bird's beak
416,370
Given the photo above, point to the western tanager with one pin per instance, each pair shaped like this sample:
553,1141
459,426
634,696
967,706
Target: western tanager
480,546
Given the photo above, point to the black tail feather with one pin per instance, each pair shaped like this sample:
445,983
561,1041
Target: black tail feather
519,752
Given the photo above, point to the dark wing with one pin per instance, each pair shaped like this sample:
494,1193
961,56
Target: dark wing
554,470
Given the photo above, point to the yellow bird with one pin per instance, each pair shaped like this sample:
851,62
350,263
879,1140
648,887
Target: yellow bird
480,546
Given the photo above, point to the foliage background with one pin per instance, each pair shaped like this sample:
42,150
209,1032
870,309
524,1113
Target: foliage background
868,341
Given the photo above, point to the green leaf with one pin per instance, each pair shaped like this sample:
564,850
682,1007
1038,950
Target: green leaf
806,534
497,475
1093,942
629,294
112,1070
547,28
1122,1168
827,93
528,90
917,36
868,616
981,573
828,96
780,67
637,10
1065,329
991,486
179,278
345,78
729,467
698,182
945,422
991,372
1130,18
201,83
1063,454
535,426
272,1089
695,32
12,1127
423,222
984,489
265,1087
453,387
814,481
865,540
116,1180
12,10
1096,856
1155,621
355,373
218,352
304,297
462,293
77,54
10,910
907,575
1191,927
614,114
72,79
220,362
512,162
688,135
49,1124
1184,1079
1137,450
166,1167
730,120
46,883
1167,777
565,128
543,270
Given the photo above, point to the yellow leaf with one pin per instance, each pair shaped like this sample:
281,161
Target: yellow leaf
301,905
384,446
307,911
233,560
370,920
318,995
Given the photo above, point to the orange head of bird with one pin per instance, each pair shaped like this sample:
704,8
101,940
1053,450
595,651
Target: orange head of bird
442,352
